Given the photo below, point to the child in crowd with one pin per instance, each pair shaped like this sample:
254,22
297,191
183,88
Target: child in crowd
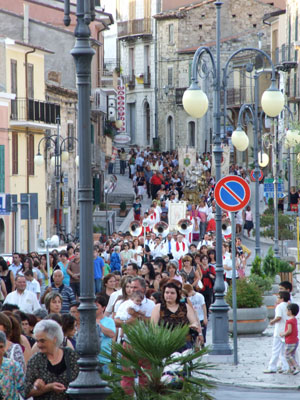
286,286
291,338
198,302
278,348
134,305
137,207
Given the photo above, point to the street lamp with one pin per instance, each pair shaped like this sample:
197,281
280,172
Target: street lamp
195,102
88,384
56,160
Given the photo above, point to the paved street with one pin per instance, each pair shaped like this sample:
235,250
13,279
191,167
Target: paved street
229,393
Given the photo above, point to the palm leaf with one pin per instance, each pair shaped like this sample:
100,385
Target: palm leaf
156,345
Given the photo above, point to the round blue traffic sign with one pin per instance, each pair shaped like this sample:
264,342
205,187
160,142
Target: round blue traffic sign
232,193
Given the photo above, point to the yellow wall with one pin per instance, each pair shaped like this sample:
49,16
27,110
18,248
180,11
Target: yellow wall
18,183
17,52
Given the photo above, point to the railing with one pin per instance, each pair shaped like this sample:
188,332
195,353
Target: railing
178,95
34,110
283,54
109,65
237,96
134,27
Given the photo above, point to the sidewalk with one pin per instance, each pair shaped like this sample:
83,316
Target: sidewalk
254,353
124,185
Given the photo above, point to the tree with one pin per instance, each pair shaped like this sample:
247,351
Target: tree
156,345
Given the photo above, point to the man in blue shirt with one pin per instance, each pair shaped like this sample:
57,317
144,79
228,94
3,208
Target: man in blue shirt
98,270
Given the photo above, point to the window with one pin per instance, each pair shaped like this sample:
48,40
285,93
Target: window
191,134
131,64
30,81
2,169
146,65
170,76
171,33
15,164
13,76
13,88
30,154
70,144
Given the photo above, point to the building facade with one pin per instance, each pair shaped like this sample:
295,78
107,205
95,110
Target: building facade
180,32
136,33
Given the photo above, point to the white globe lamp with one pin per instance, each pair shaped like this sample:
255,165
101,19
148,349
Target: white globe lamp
64,155
263,159
39,160
195,101
240,139
118,123
272,101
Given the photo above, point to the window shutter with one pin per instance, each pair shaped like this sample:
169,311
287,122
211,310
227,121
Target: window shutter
15,164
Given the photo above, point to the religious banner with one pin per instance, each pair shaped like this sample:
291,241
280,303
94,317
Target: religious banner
186,157
177,211
224,162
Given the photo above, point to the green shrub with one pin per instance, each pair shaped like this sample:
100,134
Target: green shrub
269,264
248,295
263,283
284,266
256,267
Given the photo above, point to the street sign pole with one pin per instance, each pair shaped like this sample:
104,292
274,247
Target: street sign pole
234,306
232,193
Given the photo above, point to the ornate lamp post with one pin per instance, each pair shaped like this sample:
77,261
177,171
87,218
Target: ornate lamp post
88,384
60,155
195,103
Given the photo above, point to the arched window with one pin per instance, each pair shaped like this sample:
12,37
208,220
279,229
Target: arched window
191,134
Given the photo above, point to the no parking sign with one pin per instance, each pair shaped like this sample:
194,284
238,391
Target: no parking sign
232,193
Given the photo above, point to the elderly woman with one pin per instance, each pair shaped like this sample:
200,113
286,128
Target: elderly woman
11,374
50,371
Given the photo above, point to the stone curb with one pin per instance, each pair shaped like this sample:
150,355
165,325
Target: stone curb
253,385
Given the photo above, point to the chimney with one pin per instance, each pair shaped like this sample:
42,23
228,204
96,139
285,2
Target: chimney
26,24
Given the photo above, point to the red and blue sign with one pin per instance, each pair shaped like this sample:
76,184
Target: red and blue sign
260,175
232,193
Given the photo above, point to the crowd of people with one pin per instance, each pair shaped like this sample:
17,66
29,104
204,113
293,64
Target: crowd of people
162,276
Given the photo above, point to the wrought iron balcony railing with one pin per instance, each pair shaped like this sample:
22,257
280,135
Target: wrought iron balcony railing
34,110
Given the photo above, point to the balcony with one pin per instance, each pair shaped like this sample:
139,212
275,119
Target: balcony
284,58
135,27
29,112
129,80
110,65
